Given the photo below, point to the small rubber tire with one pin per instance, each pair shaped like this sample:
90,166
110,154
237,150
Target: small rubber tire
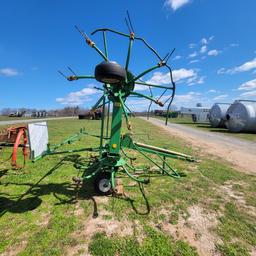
102,183
110,72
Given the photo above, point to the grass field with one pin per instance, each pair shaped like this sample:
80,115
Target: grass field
210,210
206,127
7,118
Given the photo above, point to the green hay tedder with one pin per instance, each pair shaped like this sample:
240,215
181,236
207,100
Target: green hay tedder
118,84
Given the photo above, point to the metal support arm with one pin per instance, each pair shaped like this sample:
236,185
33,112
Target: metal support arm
128,142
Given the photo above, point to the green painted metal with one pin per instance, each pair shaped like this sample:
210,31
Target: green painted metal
128,35
116,125
108,119
155,85
129,53
105,44
146,72
134,177
127,142
84,77
140,95
113,178
49,152
125,113
102,125
98,103
112,156
100,52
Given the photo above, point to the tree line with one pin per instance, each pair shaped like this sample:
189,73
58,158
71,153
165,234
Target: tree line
66,111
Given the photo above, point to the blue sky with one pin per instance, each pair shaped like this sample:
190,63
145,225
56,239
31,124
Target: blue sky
214,61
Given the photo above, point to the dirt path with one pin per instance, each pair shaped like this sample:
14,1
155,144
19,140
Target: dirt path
241,154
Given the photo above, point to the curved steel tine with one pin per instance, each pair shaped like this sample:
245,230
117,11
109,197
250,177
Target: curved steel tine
166,56
128,15
167,99
172,96
62,74
170,55
162,94
71,71
81,32
127,25
150,104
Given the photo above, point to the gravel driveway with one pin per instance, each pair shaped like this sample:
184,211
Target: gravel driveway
241,154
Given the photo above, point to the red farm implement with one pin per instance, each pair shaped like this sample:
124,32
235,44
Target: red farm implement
15,137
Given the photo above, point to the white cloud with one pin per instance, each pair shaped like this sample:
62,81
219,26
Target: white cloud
178,75
8,72
221,71
193,61
78,97
249,94
203,49
199,80
221,97
206,40
187,98
177,57
176,4
140,87
191,45
183,73
159,78
192,80
212,91
192,55
190,99
234,45
188,76
213,52
249,85
247,66
138,104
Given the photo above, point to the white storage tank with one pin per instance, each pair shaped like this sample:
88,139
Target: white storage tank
217,115
241,116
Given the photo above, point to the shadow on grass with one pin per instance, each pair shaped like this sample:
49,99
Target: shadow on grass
31,199
184,122
66,192
3,172
219,130
207,127
132,201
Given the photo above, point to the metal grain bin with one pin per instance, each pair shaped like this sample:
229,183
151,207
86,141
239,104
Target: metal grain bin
241,116
217,115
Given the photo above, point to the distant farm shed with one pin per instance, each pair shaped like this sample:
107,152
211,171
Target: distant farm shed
199,114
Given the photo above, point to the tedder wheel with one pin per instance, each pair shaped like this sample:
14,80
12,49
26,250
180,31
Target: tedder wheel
102,183
110,72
